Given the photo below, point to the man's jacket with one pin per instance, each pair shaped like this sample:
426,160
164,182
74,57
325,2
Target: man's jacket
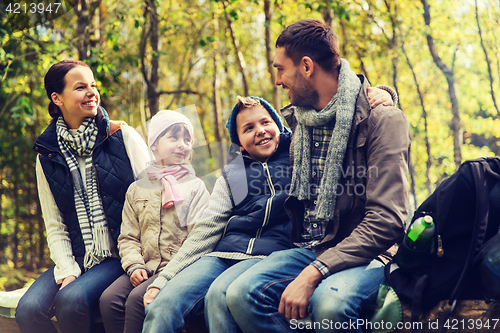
372,204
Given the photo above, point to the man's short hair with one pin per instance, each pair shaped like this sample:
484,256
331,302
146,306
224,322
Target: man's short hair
311,38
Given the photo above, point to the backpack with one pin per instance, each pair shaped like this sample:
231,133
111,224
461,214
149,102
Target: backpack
466,211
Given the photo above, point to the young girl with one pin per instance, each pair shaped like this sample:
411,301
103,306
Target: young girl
158,214
84,166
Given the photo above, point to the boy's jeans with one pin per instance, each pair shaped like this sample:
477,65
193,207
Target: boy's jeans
183,296
254,297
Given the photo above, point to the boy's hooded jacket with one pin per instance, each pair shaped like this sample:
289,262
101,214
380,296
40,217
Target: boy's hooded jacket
259,225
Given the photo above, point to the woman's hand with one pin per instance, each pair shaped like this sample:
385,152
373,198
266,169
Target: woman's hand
138,276
150,295
67,280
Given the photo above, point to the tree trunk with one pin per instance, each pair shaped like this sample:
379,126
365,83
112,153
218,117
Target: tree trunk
96,14
344,41
488,62
217,102
17,219
2,170
328,14
426,130
150,32
269,54
393,44
239,55
450,78
82,31
362,64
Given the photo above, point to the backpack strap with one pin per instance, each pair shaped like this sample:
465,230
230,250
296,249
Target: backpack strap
480,222
487,167
416,304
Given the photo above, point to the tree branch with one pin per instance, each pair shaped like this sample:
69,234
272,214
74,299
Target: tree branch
184,91
487,61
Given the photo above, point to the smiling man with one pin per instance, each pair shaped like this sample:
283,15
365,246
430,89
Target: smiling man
348,196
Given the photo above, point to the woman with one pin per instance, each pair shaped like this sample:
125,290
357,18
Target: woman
84,166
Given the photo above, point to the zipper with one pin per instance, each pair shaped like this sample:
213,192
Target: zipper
227,223
440,250
268,207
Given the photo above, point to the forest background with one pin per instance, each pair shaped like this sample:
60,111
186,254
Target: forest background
441,56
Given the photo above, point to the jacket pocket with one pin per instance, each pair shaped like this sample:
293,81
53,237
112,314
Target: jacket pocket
143,209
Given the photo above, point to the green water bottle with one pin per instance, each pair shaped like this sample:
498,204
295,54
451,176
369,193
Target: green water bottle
420,235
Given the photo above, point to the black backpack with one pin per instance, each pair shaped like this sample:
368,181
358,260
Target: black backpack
466,211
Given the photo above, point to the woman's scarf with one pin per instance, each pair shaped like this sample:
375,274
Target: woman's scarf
88,205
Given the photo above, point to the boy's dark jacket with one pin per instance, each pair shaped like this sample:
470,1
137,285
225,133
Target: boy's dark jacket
114,175
373,205
259,224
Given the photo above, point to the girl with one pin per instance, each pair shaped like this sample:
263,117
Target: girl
84,166
159,212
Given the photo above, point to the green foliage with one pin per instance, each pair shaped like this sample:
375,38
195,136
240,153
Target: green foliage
372,33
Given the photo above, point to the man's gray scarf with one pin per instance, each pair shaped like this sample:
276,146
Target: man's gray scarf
341,108
88,205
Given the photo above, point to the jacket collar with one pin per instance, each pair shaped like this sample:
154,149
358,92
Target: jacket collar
48,139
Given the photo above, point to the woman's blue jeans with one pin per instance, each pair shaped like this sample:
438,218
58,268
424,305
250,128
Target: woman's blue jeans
183,297
254,297
73,305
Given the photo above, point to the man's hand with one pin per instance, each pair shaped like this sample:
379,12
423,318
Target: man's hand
150,295
296,297
138,276
67,280
378,96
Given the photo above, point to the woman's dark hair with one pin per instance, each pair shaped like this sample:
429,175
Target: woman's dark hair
54,82
311,38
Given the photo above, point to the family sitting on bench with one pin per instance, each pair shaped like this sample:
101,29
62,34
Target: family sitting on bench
298,225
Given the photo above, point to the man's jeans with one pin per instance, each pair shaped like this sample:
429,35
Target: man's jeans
73,305
254,297
183,296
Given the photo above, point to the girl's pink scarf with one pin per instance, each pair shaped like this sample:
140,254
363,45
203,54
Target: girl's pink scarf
171,193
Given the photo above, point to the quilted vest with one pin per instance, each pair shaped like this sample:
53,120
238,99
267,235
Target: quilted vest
114,175
259,224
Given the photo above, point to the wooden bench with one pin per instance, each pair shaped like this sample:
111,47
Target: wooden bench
472,316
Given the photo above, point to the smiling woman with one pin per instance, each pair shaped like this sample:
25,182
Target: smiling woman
84,166
80,97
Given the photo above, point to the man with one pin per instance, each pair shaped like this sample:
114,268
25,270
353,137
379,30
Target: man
348,197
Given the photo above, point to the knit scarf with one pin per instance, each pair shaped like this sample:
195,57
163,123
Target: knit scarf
341,108
171,193
88,205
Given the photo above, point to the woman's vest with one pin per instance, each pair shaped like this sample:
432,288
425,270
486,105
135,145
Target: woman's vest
114,175
259,224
